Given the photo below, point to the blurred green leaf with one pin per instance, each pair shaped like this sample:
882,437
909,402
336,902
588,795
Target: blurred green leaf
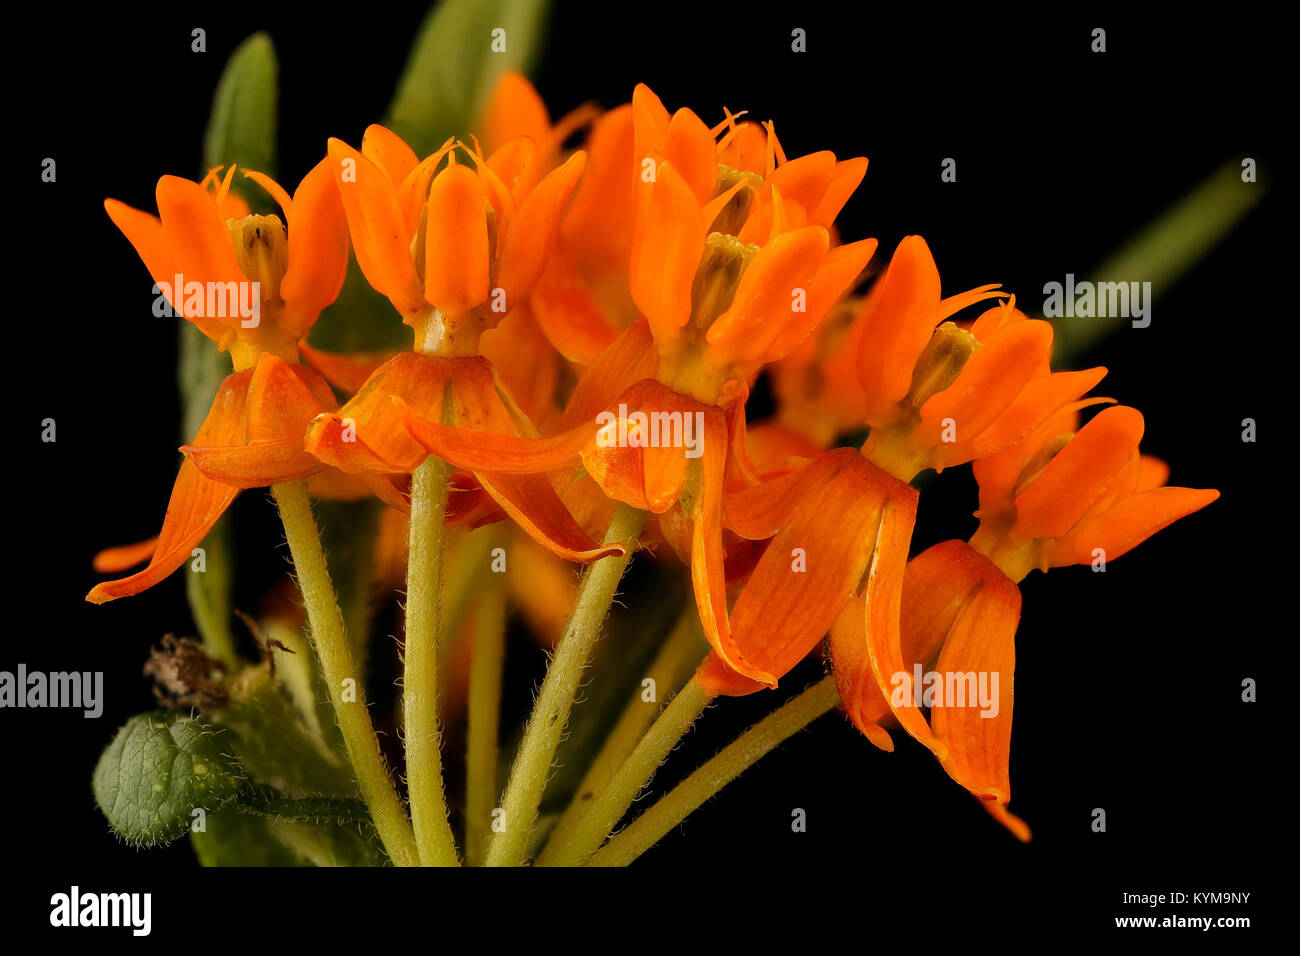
453,67
241,130
1165,250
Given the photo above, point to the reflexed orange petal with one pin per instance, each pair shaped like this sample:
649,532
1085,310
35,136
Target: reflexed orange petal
879,633
1079,474
708,572
114,560
282,400
196,501
666,250
531,234
629,359
477,450
380,237
368,434
532,503
814,564
982,640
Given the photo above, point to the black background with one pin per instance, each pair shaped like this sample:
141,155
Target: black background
1128,683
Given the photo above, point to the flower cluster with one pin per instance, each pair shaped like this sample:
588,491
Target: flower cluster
586,328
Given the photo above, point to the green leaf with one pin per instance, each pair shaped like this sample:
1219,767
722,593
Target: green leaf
453,67
158,770
241,127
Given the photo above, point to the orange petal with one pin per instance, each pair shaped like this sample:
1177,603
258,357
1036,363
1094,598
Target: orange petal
763,305
456,254
814,564
689,146
897,323
282,400
532,231
708,571
196,501
1038,400
629,359
566,311
380,237
847,177
345,372
514,109
368,434
805,178
389,152
866,652
532,503
984,388
200,244
1079,474
666,250
837,273
982,642
113,560
318,249
477,450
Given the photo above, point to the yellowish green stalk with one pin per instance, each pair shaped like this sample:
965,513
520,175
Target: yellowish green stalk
677,659
631,778
433,836
346,689
532,766
734,759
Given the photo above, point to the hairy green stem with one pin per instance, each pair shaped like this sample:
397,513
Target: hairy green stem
738,756
532,766
631,778
346,689
433,835
677,659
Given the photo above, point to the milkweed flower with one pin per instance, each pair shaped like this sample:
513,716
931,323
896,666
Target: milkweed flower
289,270
1063,497
454,249
716,308
958,612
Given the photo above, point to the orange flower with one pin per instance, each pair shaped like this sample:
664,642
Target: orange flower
959,613
935,394
252,436
454,250
839,530
1062,497
716,310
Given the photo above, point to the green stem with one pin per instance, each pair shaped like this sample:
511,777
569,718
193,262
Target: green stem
267,802
433,834
680,654
737,757
532,766
349,699
631,778
484,718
